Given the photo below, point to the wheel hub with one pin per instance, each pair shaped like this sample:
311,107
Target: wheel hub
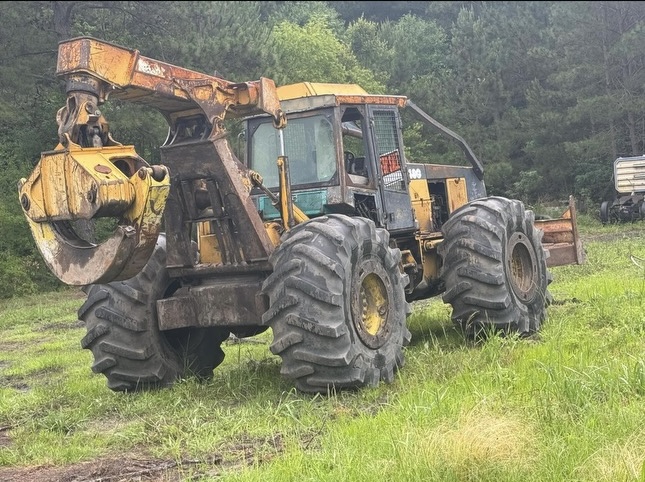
522,266
371,304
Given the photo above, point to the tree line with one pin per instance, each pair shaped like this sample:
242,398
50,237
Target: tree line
548,94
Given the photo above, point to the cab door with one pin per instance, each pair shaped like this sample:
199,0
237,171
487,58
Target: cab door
387,146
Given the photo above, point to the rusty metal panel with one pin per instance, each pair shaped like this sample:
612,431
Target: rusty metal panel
106,61
564,253
421,204
161,85
227,302
343,93
554,233
457,195
560,238
397,101
561,255
244,238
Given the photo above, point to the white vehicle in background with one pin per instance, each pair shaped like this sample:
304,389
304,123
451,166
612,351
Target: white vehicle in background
629,179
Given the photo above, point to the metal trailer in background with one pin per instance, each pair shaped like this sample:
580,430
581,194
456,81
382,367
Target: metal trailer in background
629,184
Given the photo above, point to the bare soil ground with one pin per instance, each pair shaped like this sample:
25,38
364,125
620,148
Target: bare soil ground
105,470
135,468
631,230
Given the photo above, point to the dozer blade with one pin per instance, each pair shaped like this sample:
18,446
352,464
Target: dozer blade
561,238
72,188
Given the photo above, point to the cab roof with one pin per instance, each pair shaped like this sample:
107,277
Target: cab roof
311,95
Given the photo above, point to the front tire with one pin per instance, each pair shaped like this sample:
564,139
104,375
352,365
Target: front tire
494,268
124,337
337,305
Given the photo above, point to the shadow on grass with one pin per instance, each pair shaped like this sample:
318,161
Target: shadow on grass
438,332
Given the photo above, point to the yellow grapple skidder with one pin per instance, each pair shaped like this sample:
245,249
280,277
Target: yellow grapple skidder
323,232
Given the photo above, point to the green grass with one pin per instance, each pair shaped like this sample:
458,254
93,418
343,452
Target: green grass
567,407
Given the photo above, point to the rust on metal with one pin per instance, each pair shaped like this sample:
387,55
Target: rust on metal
127,75
102,169
561,238
90,175
227,302
78,183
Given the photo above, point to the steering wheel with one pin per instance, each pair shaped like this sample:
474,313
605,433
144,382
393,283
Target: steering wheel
349,157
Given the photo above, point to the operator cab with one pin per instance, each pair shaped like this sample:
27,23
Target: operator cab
344,151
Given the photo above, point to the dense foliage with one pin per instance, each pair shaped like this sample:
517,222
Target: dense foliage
547,94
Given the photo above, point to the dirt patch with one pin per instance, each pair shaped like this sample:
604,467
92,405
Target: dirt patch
12,381
72,325
20,382
5,440
247,448
243,451
6,346
106,470
122,470
628,233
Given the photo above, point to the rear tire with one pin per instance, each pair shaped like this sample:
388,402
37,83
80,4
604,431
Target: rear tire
337,305
604,212
124,337
494,268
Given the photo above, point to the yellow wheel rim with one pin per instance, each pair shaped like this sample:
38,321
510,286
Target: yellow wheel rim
374,303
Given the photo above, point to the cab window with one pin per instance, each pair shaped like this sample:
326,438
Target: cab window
308,144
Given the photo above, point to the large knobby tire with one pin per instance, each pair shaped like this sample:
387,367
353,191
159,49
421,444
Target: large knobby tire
494,268
124,336
337,305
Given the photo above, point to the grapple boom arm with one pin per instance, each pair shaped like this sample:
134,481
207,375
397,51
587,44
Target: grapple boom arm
106,69
89,175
